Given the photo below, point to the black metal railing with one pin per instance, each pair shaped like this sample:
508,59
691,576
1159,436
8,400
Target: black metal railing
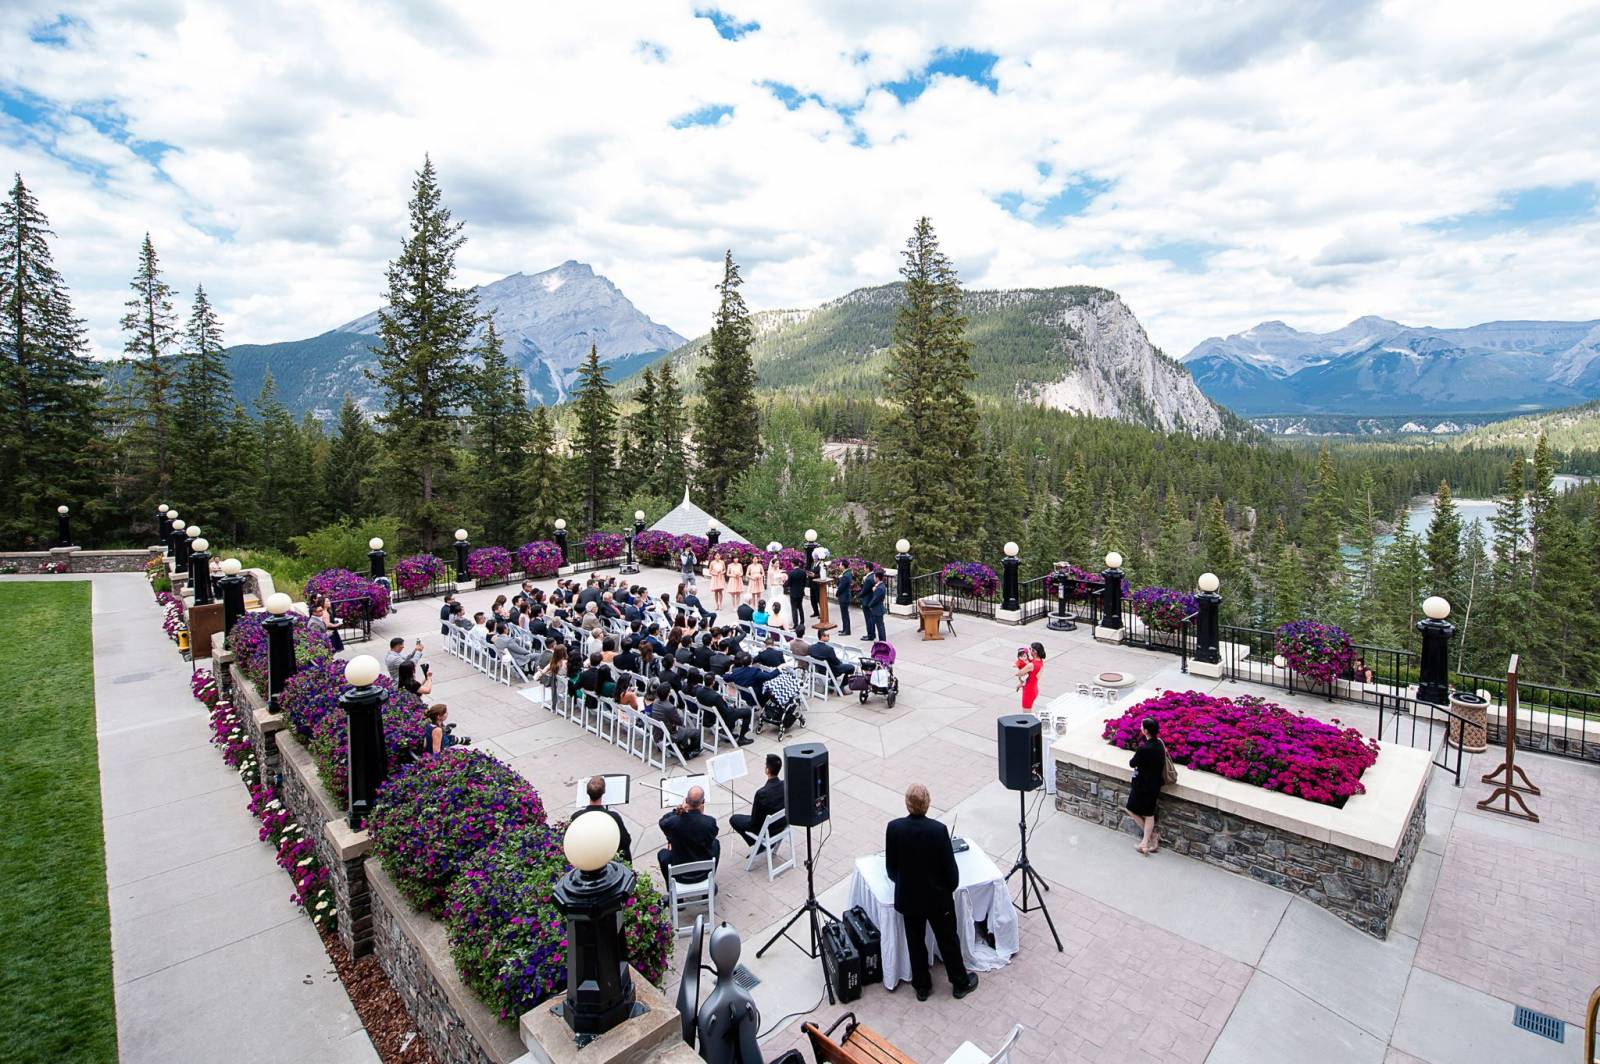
965,600
1035,598
439,586
1549,719
354,617
1392,671
1179,641
924,585
1402,719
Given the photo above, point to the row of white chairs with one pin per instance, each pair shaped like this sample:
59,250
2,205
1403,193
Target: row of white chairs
500,667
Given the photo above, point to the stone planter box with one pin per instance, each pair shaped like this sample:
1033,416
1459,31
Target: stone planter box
1352,861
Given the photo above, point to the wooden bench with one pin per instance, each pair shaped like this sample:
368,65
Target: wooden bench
861,1045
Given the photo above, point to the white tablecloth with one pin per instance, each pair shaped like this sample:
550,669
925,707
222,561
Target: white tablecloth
982,895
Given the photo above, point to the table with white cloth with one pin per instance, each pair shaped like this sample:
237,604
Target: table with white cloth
981,896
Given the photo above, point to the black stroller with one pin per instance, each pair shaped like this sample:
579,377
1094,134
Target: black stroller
782,703
876,675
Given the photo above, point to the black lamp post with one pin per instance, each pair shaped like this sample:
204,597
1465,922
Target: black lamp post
190,534
1433,676
1207,644
712,535
462,546
1062,621
368,757
231,584
1111,596
1010,585
375,556
63,527
591,897
902,572
561,540
280,647
180,545
629,565
163,526
200,573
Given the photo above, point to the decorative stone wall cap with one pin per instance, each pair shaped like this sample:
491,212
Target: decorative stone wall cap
1531,720
646,1037
1372,824
347,842
269,722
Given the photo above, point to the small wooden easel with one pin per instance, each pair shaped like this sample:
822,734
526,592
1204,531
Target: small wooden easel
1508,790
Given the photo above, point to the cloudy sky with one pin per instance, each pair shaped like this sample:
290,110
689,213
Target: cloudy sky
1218,164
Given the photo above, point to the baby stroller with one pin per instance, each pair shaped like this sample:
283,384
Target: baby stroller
782,703
879,678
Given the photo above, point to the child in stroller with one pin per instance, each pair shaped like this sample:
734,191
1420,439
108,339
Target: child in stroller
781,703
879,678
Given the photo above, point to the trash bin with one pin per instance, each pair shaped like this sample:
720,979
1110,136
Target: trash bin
1469,713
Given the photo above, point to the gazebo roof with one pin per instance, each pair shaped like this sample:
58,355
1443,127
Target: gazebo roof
687,519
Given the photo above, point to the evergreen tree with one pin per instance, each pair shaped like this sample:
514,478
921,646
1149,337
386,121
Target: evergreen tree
1564,647
152,330
1320,536
1171,562
47,394
1220,558
726,433
1288,586
1398,589
1113,532
354,453
1541,507
1361,568
423,370
925,482
1474,581
671,463
547,495
792,486
1444,545
1507,599
204,400
280,491
1073,518
499,436
593,472
640,453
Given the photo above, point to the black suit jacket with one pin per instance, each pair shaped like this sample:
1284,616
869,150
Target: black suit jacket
880,597
625,847
692,836
768,800
771,657
825,653
846,584
746,611
922,865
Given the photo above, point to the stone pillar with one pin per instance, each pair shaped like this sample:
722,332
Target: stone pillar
352,895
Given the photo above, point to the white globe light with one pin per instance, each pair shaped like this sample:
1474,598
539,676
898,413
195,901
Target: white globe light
461,535
361,670
1278,661
1208,582
591,842
561,523
193,532
278,604
1113,560
811,535
1436,607
62,510
374,543
231,566
638,515
177,525
1011,550
774,547
902,546
202,545
161,509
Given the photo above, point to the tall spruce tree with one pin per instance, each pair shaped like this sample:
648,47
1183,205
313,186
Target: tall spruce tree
1444,545
47,393
354,453
499,434
1073,519
1171,552
1541,507
1288,586
671,462
1507,600
151,326
281,507
204,401
424,370
928,443
637,463
547,492
1319,536
1221,558
727,435
593,441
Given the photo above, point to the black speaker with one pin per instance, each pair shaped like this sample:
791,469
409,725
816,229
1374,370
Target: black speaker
805,784
1021,752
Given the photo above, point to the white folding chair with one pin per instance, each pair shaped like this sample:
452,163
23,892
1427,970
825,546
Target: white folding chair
607,715
768,843
680,893
967,1053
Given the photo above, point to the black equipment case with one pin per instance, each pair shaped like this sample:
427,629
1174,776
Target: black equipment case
864,936
841,961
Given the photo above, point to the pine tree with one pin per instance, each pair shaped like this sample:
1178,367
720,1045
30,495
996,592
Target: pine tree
1361,568
354,454
499,436
423,370
593,472
1073,517
152,329
1220,558
1288,586
1444,545
1398,590
1541,507
671,463
1319,537
1507,599
637,464
727,435
1113,532
280,491
48,398
1564,647
547,495
204,399
925,483
1474,582
792,486
1172,563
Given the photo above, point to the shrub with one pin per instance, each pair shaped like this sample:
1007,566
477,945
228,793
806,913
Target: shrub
859,567
417,573
349,594
1255,741
699,545
655,547
489,564
1161,608
343,545
600,546
434,815
1317,651
789,557
974,577
507,936
248,641
539,558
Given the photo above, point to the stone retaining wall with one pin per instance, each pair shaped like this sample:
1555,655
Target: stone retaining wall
1363,891
79,560
1573,742
415,954
262,725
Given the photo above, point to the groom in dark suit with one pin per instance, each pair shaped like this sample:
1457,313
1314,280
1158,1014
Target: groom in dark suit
922,865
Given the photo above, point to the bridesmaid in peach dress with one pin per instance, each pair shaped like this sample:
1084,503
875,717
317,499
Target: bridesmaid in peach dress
735,571
718,581
755,582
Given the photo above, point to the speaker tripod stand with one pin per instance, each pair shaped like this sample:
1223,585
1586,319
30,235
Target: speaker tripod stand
1028,874
810,909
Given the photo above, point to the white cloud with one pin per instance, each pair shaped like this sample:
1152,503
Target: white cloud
1304,147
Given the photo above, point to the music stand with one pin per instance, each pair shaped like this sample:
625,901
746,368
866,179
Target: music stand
725,768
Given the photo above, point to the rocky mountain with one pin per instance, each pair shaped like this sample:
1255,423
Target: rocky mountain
1078,349
1374,366
546,320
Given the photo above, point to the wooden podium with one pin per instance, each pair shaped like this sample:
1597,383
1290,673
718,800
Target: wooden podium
823,622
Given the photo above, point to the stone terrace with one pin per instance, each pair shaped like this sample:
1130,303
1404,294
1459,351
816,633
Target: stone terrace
1165,959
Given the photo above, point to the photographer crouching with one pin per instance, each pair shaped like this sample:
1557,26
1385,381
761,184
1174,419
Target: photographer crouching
441,736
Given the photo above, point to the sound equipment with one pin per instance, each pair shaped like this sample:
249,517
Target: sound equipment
867,941
841,961
805,783
1021,752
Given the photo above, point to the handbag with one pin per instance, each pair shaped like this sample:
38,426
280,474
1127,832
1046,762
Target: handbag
1169,770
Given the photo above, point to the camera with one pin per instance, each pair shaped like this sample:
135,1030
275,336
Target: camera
456,740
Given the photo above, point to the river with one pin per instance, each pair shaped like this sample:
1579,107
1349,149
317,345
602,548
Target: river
1420,512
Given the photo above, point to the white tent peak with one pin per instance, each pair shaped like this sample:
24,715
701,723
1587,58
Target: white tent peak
687,519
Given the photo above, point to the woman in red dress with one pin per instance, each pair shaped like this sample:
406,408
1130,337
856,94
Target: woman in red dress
1028,676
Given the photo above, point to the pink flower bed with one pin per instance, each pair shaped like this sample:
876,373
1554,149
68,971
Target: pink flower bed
1254,741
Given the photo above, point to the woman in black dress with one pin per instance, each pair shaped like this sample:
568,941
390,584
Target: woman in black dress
1149,765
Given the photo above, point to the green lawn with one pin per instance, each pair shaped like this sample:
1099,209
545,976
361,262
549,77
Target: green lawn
55,938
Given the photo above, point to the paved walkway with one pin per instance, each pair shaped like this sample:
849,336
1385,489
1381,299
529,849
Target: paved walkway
1166,959
210,959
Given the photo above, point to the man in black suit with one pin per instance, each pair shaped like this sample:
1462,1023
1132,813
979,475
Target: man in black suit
795,585
875,608
771,655
822,650
596,790
691,835
446,608
922,865
746,612
846,586
769,800
813,583
737,717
